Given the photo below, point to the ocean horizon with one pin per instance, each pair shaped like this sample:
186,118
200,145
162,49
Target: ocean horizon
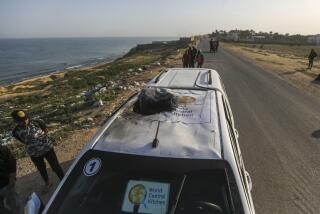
23,58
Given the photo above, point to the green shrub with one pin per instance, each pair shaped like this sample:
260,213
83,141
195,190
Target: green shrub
93,79
77,83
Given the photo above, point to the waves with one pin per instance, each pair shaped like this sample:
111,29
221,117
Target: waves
24,58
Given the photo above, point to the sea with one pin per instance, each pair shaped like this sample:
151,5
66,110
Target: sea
24,58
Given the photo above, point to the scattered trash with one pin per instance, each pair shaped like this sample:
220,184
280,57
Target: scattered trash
90,119
103,89
136,83
98,103
110,84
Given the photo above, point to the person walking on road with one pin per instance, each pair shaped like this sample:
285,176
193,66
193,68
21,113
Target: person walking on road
9,199
217,45
34,135
211,45
200,59
185,59
193,59
311,57
190,57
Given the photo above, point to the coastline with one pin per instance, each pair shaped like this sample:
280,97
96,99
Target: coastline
60,97
22,59
33,77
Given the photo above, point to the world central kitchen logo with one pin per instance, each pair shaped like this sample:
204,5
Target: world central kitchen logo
151,196
146,197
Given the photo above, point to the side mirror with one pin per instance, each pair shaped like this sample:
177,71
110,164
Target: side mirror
249,180
34,205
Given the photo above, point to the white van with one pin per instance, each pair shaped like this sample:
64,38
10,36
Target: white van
186,160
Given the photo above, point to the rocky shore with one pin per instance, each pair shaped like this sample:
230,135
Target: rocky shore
76,99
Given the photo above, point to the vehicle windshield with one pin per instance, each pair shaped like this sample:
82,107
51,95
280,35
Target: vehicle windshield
97,188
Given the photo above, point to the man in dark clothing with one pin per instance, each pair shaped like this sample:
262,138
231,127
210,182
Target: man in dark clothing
39,146
194,52
311,57
211,45
185,59
190,56
9,200
217,45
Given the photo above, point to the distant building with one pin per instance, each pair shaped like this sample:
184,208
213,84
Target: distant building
259,37
233,36
315,39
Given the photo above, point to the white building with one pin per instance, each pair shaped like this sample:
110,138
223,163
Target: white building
233,36
315,39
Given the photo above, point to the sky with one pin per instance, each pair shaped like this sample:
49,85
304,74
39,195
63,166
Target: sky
99,18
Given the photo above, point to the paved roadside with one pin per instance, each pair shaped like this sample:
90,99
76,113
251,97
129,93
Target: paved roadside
278,126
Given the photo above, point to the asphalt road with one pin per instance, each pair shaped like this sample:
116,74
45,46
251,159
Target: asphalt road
278,125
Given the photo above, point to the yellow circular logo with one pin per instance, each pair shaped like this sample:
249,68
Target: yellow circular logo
137,194
186,99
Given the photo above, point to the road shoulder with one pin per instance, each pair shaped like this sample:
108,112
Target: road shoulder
288,68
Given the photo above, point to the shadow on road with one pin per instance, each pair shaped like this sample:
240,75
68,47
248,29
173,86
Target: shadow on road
316,134
32,182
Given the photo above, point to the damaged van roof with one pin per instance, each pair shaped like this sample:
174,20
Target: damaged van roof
189,131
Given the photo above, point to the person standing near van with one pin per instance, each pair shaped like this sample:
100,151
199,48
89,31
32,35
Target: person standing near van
185,59
311,57
9,200
39,146
200,59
